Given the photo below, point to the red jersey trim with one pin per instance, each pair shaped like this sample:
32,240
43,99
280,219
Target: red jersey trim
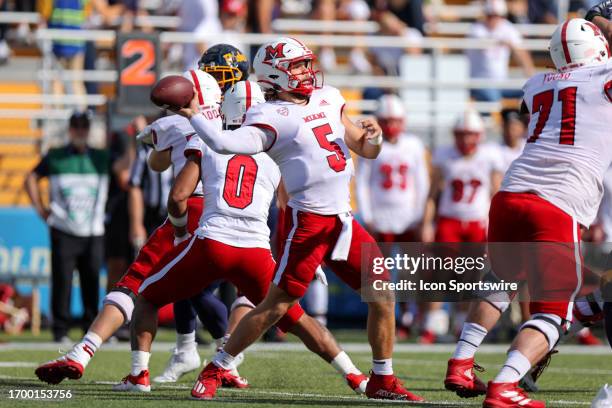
267,127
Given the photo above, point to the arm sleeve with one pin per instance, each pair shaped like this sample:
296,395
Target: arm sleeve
244,140
42,168
195,145
362,186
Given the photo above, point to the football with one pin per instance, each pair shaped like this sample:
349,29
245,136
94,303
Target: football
173,91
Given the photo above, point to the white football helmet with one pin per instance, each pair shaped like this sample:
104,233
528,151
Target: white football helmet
468,130
390,106
469,121
209,93
578,42
272,63
237,101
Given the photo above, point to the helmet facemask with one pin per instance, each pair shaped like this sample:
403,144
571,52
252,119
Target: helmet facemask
313,78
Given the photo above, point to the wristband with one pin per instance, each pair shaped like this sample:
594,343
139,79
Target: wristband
178,221
376,141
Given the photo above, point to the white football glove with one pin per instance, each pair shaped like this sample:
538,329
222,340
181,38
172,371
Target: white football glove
320,275
146,136
178,240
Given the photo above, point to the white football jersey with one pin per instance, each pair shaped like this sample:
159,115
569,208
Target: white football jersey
605,209
238,191
569,147
172,133
466,193
309,149
509,154
392,189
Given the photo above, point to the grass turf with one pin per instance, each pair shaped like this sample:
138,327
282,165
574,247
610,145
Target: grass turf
291,378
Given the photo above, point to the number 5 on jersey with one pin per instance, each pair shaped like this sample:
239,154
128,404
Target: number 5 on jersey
337,160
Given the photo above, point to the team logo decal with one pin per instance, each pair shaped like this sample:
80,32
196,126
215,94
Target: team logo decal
274,52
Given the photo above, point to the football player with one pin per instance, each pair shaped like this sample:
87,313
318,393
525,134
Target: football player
548,193
304,129
231,243
392,189
465,176
118,304
227,65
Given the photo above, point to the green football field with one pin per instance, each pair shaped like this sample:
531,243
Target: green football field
287,375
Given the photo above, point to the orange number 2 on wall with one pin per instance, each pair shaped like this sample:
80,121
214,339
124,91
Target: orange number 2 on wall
138,72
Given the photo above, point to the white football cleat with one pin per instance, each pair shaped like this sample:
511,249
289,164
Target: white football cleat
134,383
180,364
603,399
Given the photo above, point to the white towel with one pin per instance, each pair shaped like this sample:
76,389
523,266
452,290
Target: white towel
343,244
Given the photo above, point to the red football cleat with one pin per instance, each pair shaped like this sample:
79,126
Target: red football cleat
389,387
427,337
509,395
587,338
231,379
136,383
461,379
53,372
208,381
357,382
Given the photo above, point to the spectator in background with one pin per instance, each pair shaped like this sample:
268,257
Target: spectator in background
100,16
70,53
356,11
233,20
78,178
542,11
118,250
408,12
492,63
198,17
147,197
395,18
5,51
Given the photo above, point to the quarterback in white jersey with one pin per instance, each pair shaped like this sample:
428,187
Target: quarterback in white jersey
392,189
465,175
304,129
231,243
548,193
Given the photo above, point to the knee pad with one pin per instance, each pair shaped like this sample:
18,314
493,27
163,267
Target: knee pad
123,299
241,301
549,325
499,300
290,318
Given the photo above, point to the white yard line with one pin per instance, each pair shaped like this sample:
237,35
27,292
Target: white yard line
14,364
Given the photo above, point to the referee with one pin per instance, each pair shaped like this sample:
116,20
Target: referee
78,187
147,197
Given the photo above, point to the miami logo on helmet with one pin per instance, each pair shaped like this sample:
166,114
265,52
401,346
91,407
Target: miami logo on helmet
274,52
